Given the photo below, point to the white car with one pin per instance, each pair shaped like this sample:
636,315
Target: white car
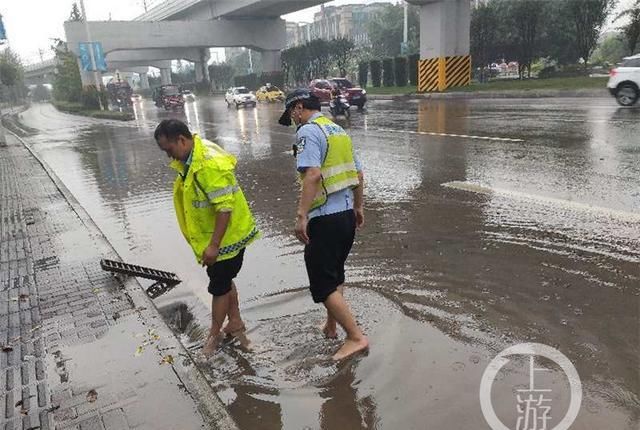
240,96
624,81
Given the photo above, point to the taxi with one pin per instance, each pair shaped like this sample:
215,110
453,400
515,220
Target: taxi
269,93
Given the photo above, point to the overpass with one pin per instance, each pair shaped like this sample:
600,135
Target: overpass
40,73
185,29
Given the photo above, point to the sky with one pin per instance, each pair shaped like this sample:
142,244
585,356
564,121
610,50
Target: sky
31,23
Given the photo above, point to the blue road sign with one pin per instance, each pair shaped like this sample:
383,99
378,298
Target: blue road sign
98,54
3,33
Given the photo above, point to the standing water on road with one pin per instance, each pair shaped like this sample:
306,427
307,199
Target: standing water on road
488,223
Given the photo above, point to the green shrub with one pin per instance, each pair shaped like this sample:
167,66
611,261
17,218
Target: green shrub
413,69
387,72
375,72
363,73
400,71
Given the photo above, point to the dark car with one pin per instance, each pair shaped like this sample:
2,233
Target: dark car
119,93
321,88
356,96
168,97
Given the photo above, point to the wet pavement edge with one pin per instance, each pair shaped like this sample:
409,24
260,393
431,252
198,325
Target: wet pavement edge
184,368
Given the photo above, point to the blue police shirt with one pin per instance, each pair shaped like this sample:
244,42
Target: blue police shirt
312,149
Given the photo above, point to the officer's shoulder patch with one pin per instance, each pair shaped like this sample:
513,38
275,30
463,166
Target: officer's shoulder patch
302,140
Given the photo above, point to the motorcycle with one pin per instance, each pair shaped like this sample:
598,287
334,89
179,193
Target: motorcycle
339,106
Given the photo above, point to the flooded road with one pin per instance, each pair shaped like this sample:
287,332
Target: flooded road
488,223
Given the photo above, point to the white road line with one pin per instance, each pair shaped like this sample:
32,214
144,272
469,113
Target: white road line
482,189
464,136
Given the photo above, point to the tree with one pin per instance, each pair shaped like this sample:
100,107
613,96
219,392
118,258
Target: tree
75,14
523,20
241,62
341,53
221,75
558,42
385,30
67,85
610,51
12,74
631,30
588,17
319,56
400,71
11,69
484,31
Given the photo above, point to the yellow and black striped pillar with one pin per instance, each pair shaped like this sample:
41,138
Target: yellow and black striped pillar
438,74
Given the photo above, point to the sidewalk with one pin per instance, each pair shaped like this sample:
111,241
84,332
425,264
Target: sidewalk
79,348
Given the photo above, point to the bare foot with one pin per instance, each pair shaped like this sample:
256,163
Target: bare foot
351,347
211,344
234,329
330,332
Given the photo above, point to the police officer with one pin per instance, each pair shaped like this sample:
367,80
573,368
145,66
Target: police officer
214,218
329,210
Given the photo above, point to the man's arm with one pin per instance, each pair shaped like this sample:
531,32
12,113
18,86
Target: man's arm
310,184
358,200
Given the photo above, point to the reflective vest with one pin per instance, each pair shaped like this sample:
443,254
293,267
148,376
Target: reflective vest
210,182
338,168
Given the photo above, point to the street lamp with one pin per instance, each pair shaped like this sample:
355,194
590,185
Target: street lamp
3,39
91,54
405,39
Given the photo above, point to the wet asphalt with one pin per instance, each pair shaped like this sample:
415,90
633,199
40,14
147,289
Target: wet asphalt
488,223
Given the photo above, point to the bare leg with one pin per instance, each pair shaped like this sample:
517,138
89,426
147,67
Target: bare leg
340,312
219,311
330,329
235,320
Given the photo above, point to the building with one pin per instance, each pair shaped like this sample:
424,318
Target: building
333,22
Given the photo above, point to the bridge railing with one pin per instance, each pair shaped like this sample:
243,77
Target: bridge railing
166,9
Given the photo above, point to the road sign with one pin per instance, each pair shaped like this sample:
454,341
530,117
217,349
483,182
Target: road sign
98,54
3,33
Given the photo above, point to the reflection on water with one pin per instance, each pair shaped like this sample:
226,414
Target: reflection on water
444,278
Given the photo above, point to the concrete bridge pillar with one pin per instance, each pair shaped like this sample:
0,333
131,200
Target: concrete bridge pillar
201,67
444,44
165,75
202,71
271,61
144,81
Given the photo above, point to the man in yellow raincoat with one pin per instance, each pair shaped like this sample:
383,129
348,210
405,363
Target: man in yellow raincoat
214,218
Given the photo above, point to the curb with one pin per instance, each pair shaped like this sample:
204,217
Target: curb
205,399
533,94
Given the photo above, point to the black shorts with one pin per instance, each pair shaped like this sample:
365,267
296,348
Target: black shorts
222,273
330,241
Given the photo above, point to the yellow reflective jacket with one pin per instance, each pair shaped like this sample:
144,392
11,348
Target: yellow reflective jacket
210,186
338,168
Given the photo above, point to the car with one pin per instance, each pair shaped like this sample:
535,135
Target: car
356,96
119,93
168,97
240,96
188,95
136,97
269,93
322,89
624,81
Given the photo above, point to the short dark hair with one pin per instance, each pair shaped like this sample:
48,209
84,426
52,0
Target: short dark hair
311,103
171,129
